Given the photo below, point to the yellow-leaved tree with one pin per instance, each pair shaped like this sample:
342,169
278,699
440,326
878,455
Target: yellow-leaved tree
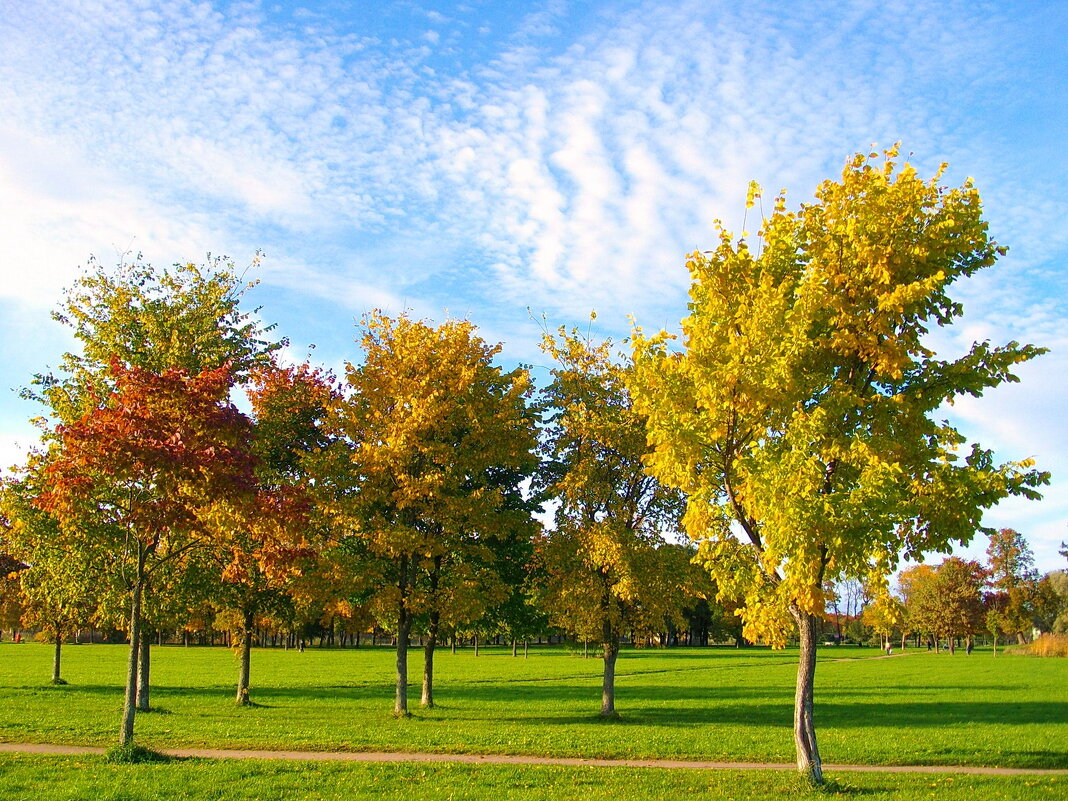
606,568
434,443
798,416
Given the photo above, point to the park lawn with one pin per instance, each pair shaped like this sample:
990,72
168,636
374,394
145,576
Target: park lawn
718,704
51,778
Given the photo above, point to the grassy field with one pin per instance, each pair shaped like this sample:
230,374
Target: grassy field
722,704
87,779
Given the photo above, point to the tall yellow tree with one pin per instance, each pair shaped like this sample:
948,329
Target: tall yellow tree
798,416
607,567
434,442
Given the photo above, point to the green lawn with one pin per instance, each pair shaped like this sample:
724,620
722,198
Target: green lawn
919,708
722,704
87,779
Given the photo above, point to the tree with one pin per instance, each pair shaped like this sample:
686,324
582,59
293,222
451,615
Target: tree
912,585
607,565
57,583
1013,581
798,416
885,613
1051,603
132,479
271,532
11,598
140,316
434,442
950,603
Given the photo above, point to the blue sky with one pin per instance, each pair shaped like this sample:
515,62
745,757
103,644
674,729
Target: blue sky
476,159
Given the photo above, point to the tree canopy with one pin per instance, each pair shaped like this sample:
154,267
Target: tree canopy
799,416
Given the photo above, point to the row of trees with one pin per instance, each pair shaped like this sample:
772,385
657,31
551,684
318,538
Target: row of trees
958,600
403,496
791,436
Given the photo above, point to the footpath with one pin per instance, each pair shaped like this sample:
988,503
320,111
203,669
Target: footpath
517,759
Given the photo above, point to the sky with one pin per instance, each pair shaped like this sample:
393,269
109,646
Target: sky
514,163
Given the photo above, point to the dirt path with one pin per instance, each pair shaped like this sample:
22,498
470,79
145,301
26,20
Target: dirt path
506,759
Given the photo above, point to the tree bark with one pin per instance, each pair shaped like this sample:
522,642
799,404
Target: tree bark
513,646
432,637
57,659
144,672
428,660
608,688
404,627
126,732
808,755
245,669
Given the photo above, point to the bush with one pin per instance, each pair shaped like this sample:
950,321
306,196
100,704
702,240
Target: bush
1049,645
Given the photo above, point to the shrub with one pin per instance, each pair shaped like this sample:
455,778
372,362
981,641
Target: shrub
1050,645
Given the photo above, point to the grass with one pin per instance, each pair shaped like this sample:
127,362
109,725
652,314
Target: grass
721,704
88,779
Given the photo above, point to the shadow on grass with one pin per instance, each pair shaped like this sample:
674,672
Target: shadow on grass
763,704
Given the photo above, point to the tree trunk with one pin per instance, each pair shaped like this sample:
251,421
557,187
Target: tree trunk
514,646
808,755
57,659
144,672
126,732
404,626
245,669
608,689
428,660
475,639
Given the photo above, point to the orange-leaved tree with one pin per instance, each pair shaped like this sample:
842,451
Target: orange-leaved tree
131,479
156,319
269,537
434,443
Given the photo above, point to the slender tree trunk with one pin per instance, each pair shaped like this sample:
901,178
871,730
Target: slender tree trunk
995,644
144,672
428,660
126,732
404,626
611,653
57,659
245,669
514,644
431,637
808,755
475,638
